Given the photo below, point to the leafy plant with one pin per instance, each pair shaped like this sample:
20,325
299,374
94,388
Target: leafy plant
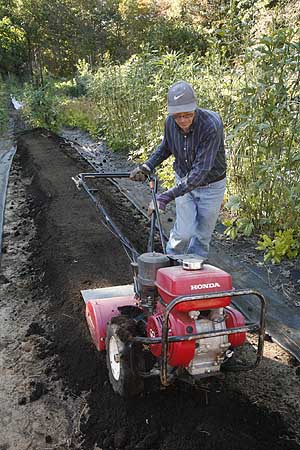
41,106
286,244
238,226
264,162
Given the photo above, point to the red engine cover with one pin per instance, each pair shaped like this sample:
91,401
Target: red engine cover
175,281
233,319
179,353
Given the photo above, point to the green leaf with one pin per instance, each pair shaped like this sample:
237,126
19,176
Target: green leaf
233,203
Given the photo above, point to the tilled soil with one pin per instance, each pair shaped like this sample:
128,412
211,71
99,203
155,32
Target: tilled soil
71,250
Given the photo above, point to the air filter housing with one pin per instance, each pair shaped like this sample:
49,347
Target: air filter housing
148,265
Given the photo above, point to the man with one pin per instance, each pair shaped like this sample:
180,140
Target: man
195,137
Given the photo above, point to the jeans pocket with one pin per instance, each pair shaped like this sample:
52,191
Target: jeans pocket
218,185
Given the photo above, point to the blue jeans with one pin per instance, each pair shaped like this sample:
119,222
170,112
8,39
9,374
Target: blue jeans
196,216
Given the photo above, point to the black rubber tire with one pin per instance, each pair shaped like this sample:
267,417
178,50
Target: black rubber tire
122,379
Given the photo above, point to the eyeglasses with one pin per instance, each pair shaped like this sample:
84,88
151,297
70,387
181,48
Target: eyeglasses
183,116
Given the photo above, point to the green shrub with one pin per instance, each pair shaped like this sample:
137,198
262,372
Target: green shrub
170,35
41,106
285,244
264,161
80,113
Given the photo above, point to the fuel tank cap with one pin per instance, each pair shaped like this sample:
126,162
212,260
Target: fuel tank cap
195,263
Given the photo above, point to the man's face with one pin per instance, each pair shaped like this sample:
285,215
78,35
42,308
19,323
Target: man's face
184,120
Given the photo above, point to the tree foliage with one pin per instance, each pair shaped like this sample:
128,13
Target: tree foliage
38,36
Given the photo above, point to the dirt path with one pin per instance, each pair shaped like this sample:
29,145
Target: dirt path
56,393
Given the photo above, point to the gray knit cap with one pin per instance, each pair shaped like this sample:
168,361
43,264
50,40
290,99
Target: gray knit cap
181,98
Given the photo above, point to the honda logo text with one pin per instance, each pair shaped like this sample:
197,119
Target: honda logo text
204,286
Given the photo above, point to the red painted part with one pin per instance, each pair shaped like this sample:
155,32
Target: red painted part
175,281
234,318
99,312
179,353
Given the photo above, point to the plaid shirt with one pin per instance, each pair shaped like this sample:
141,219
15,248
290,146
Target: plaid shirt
199,154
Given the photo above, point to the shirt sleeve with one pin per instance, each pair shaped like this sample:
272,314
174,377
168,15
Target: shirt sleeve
203,163
161,153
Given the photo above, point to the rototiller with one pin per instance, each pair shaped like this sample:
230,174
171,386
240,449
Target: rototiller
176,321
